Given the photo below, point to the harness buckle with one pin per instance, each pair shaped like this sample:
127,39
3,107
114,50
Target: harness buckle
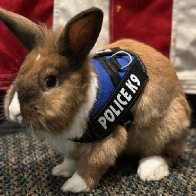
122,52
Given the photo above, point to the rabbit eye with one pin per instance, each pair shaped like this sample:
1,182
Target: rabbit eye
51,81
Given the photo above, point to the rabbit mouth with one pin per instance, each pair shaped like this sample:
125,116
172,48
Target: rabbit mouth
17,119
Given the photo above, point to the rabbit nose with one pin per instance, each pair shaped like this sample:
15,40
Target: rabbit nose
14,109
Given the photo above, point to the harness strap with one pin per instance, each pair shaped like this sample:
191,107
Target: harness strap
111,70
112,67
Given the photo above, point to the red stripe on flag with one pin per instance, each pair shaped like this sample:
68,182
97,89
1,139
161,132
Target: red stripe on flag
148,21
11,52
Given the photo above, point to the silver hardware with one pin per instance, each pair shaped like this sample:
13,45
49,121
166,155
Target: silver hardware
123,52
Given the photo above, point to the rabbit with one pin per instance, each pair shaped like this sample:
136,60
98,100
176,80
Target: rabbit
56,88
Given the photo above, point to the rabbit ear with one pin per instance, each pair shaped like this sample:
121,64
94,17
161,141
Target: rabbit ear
24,29
80,34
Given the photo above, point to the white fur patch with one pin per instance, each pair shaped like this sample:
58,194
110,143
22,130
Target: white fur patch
14,109
76,129
38,57
66,169
62,142
75,185
152,168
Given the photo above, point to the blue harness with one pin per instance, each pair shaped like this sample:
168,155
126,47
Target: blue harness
121,78
105,83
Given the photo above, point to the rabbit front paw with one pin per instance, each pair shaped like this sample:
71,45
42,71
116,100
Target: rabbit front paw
65,169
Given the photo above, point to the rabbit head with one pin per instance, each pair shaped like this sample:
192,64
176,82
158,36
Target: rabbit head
53,80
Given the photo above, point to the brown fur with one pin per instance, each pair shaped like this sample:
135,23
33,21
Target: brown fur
28,32
161,117
161,114
96,158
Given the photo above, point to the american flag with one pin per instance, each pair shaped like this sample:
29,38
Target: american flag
168,26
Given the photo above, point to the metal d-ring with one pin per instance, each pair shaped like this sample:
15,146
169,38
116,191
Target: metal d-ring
123,52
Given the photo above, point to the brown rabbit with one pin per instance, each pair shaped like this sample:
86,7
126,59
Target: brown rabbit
56,88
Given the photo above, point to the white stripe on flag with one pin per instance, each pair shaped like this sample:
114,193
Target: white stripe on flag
183,43
65,9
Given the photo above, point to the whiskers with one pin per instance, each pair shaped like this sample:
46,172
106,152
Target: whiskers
3,119
1,106
41,121
3,124
36,124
